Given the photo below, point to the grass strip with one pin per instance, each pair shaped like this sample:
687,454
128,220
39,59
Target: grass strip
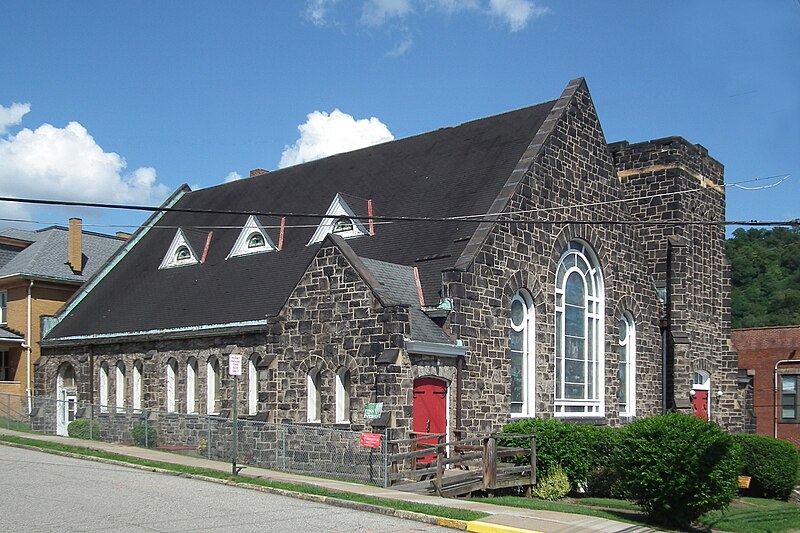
622,515
428,509
755,515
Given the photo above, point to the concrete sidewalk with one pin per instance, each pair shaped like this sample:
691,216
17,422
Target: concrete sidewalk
500,519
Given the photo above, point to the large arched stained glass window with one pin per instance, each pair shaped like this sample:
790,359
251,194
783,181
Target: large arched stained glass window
521,353
579,333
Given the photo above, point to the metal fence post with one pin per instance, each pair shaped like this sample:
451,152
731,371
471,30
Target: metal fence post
8,411
91,422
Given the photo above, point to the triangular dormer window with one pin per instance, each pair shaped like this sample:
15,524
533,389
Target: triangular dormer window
253,239
180,253
340,219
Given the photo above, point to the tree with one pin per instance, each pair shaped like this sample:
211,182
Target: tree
765,277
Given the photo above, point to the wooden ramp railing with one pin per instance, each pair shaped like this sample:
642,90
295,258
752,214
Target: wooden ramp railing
462,466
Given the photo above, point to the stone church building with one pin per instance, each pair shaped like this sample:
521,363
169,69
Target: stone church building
512,266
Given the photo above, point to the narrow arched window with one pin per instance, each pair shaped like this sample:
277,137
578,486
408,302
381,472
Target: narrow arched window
627,365
343,396
252,385
172,378
521,354
191,385
212,386
138,385
579,364
314,399
120,387
104,387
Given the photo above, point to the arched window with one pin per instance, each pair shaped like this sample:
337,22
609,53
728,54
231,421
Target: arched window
191,385
343,225
120,387
579,362
627,365
521,348
172,378
212,385
138,385
255,240
104,387
252,385
343,396
314,400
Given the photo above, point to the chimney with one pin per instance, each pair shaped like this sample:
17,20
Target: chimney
258,172
75,251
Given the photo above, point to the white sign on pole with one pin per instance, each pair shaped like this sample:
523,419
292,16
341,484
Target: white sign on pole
235,364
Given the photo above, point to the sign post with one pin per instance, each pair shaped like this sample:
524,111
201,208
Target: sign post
235,370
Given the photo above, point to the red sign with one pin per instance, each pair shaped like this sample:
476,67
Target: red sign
370,440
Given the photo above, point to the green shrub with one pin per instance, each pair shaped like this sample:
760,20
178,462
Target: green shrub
677,467
144,435
552,486
80,429
582,451
772,465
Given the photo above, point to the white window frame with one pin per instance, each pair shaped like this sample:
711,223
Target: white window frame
171,259
104,387
627,357
252,385
580,260
336,211
343,396
526,329
212,386
172,382
119,387
314,396
138,386
191,385
242,244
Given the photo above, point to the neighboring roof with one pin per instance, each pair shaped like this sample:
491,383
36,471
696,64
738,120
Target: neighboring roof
448,172
46,256
399,283
9,335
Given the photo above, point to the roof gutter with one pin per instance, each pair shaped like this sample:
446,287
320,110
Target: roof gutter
436,349
233,328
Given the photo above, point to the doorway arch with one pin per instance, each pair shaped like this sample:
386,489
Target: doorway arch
66,398
429,411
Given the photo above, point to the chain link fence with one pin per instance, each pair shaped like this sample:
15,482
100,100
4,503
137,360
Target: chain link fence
302,449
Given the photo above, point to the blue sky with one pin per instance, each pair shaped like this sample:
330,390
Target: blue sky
124,101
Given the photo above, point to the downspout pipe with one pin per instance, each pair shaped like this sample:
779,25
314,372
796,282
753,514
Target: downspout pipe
28,390
665,328
775,394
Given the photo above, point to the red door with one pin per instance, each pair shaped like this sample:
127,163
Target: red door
700,404
430,410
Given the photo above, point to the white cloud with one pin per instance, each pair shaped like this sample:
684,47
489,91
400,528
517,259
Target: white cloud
378,12
516,13
317,11
402,47
11,116
326,134
452,6
67,164
232,176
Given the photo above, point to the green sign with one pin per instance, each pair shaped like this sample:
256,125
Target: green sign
373,410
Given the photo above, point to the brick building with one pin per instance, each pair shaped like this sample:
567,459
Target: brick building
770,364
564,295
39,271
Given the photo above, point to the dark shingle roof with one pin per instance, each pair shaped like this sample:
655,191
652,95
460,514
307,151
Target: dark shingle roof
447,172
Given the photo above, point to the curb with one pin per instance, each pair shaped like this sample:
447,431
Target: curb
451,523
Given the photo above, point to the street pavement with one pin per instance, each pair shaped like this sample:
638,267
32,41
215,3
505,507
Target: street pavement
47,493
500,519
